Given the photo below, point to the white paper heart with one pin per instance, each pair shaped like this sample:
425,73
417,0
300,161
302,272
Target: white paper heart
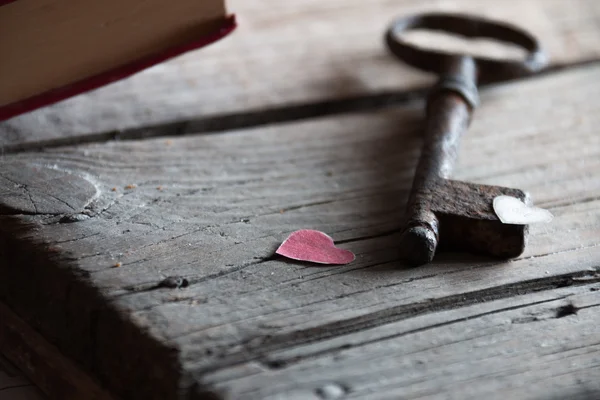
511,210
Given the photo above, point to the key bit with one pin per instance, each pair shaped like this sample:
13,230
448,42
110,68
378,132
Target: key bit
441,212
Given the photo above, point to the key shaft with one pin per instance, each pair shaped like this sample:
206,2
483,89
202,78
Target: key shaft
450,106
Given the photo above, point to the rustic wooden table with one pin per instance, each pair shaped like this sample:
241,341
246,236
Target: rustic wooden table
198,168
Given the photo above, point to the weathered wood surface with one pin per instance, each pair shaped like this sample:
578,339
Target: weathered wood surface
537,346
285,54
206,212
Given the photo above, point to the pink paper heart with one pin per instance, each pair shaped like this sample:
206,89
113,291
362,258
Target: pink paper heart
314,246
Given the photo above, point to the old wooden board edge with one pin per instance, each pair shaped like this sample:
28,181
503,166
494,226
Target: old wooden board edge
43,363
14,383
133,366
301,54
78,266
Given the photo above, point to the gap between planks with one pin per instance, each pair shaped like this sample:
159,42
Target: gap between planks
255,350
254,118
475,346
297,52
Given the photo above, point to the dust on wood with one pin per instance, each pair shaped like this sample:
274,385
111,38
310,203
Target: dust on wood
290,53
245,317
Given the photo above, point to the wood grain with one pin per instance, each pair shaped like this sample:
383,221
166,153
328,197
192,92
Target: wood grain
30,189
170,285
525,347
294,53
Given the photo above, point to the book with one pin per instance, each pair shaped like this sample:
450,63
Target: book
54,49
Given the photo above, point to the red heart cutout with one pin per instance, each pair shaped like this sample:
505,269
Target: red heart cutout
314,246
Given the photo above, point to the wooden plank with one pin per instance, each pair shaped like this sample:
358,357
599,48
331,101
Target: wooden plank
170,277
295,52
541,345
54,374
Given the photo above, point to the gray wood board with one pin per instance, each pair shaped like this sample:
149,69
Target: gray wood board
206,213
290,53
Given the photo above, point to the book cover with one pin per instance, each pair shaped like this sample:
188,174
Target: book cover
55,49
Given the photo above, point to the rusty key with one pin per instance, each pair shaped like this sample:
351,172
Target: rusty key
457,215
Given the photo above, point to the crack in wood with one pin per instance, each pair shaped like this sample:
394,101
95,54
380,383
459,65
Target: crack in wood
31,199
229,122
286,362
561,251
26,189
282,114
571,202
74,239
255,348
369,237
59,200
15,386
191,280
519,170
